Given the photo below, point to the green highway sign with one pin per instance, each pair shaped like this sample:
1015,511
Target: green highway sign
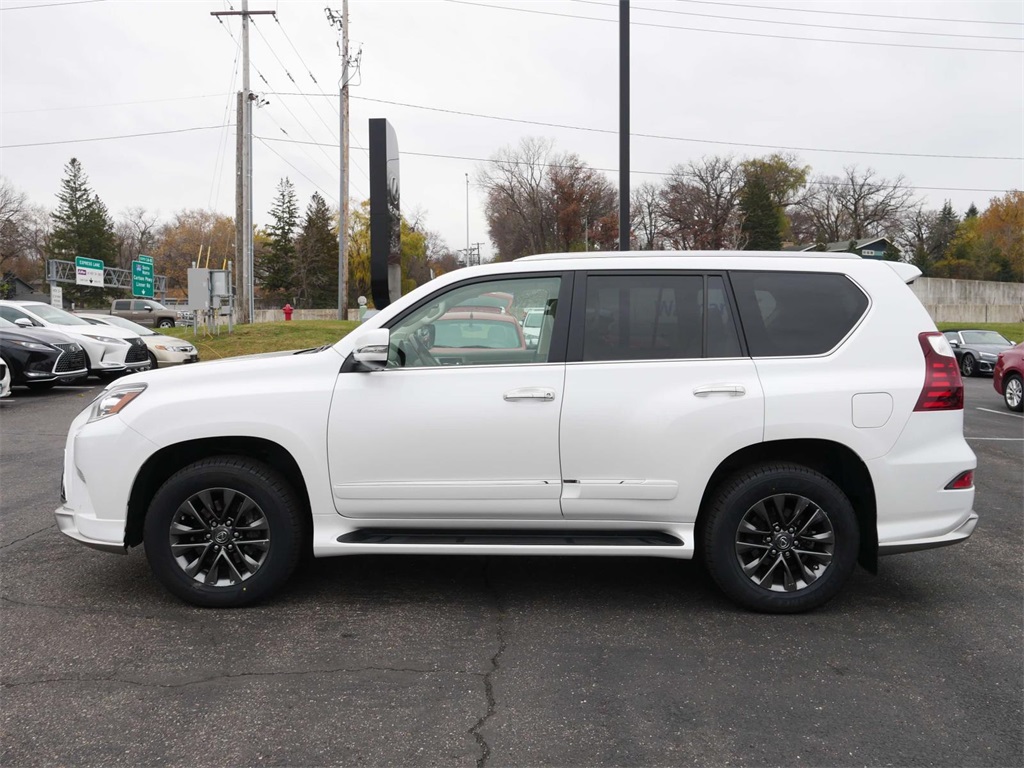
88,271
142,279
145,259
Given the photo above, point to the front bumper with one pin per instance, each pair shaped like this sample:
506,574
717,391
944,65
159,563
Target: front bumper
67,523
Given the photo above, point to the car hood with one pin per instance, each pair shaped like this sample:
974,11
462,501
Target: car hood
110,331
43,335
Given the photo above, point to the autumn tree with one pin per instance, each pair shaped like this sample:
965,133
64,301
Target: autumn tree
316,258
275,270
24,233
926,235
178,243
81,227
646,223
135,231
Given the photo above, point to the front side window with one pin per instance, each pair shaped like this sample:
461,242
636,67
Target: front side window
477,324
788,314
11,314
122,305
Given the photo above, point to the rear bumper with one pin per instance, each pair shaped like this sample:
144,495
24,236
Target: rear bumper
957,535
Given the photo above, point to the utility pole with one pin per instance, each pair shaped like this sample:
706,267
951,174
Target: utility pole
467,217
341,21
476,249
244,190
623,125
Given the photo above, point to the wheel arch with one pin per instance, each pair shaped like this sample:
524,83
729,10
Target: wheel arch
834,460
161,465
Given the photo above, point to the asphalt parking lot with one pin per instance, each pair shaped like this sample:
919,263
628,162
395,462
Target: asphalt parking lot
519,661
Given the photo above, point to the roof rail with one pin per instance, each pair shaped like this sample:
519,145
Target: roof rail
677,254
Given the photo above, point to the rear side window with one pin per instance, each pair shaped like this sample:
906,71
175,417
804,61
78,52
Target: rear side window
796,313
122,305
643,317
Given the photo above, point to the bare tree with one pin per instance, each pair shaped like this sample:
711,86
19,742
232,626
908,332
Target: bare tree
856,205
136,232
539,201
646,219
700,204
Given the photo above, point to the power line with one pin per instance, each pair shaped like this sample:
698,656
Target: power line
286,161
48,5
675,138
112,104
852,13
799,23
313,160
616,170
733,32
122,136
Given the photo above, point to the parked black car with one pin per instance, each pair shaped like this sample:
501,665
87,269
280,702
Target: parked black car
976,351
40,358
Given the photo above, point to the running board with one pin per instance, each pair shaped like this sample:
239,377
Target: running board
515,538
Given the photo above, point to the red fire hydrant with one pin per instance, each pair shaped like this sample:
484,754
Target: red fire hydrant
287,308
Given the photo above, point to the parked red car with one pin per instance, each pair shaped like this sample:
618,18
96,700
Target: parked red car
1008,377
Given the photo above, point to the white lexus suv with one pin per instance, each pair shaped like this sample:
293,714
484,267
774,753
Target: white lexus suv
781,416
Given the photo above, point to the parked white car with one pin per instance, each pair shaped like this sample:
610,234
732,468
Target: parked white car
785,416
110,351
164,351
5,380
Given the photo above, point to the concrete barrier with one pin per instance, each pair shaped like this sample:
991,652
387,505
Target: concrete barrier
276,315
970,301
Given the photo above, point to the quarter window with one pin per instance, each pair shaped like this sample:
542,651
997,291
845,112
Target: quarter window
796,313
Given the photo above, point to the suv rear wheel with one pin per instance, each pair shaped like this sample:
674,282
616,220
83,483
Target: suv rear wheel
780,538
224,532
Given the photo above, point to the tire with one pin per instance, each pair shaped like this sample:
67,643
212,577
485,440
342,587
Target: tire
968,365
256,505
41,386
165,324
1013,393
153,364
746,527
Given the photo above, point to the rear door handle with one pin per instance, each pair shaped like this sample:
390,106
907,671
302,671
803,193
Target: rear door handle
733,390
530,393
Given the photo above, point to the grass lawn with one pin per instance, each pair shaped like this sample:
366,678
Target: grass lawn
1012,331
263,337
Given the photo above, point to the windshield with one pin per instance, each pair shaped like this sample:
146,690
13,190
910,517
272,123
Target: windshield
984,337
128,325
477,333
54,315
533,319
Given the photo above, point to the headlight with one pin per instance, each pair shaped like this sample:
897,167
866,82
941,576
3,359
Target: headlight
31,345
104,339
109,403
988,358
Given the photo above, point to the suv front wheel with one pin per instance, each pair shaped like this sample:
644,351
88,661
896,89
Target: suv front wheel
780,538
224,532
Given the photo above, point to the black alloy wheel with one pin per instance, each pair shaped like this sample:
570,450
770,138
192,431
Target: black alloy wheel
224,532
780,538
968,364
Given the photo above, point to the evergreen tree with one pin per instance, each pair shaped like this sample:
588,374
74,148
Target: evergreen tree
276,268
81,227
316,272
761,216
972,212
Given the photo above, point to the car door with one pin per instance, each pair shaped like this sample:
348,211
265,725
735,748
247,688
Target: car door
140,315
468,432
658,391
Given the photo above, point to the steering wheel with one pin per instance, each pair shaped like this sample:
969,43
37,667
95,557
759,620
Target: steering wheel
422,351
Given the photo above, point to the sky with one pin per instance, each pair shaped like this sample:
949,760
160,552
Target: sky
865,83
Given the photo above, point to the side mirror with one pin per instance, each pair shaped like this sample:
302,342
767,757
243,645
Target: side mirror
149,308
954,344
24,322
371,350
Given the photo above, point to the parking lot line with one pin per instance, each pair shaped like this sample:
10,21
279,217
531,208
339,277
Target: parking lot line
1001,413
1017,439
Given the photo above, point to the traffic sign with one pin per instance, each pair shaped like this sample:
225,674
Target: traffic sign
142,279
88,271
145,259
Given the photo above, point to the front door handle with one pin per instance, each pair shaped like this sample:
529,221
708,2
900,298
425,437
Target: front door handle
733,390
530,393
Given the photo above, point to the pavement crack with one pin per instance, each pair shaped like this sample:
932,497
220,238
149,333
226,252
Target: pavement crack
213,678
485,748
28,536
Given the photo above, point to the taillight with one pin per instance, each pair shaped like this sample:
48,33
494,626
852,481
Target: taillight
962,481
943,388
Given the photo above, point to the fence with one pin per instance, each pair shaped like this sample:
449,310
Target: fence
970,301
